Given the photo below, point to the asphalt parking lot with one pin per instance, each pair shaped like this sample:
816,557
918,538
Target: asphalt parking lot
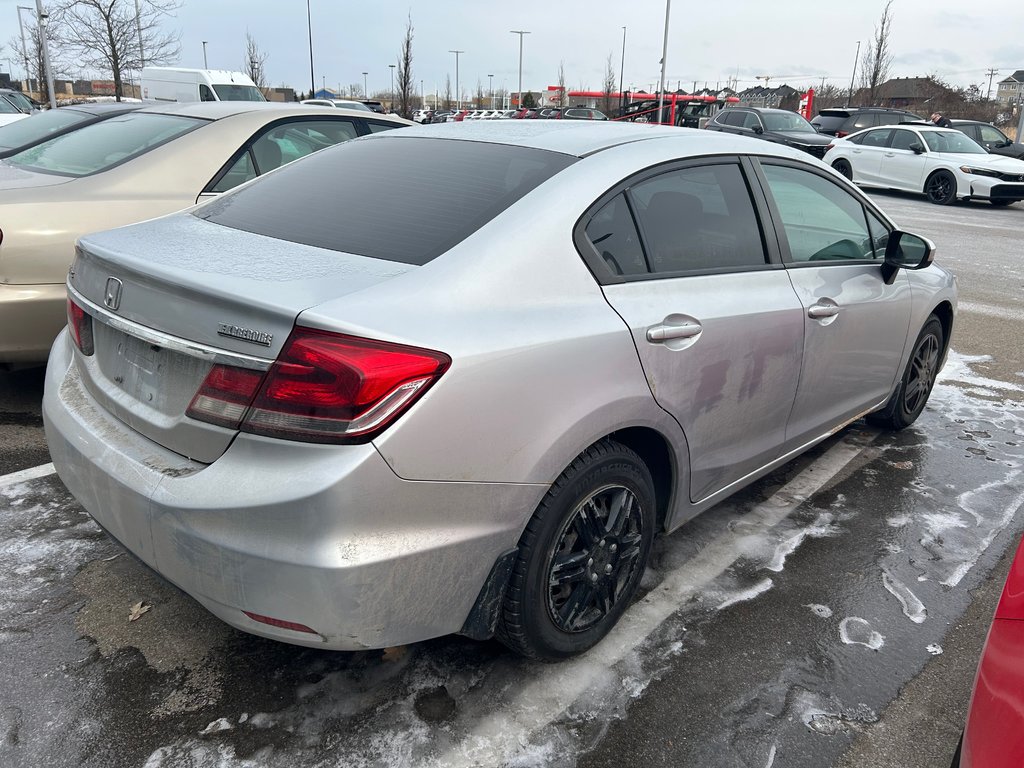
829,615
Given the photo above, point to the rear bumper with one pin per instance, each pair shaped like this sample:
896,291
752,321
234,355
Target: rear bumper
994,736
31,316
325,536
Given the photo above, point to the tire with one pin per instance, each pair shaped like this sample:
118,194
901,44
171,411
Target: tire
941,188
581,556
844,168
1001,203
915,386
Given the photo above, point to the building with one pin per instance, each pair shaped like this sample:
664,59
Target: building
906,93
1011,89
780,97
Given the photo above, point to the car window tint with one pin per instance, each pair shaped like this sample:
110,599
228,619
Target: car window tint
879,234
698,219
8,107
902,139
863,120
889,118
285,143
205,94
27,131
990,135
376,127
103,145
878,138
751,121
612,232
821,220
389,197
731,117
241,171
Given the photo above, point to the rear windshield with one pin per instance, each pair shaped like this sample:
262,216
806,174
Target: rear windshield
232,92
828,122
101,146
39,127
399,199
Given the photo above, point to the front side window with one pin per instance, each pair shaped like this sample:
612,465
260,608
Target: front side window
751,121
821,220
377,127
101,146
205,94
902,139
697,219
613,234
990,135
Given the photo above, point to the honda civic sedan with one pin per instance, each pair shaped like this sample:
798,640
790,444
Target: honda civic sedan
942,163
345,406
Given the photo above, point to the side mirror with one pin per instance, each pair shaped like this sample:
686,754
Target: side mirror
906,251
917,148
758,129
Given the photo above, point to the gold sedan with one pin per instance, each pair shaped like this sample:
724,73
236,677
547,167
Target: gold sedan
138,166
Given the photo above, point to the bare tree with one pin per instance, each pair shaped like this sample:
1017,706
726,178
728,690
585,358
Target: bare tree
406,86
447,92
107,35
563,101
609,85
255,59
481,99
877,59
36,69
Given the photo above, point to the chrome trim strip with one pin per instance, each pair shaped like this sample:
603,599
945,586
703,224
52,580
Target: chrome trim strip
161,339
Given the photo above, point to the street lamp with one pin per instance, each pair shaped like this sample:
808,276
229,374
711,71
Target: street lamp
664,58
855,58
622,69
392,66
458,93
24,48
366,92
41,20
520,32
490,87
205,65
309,25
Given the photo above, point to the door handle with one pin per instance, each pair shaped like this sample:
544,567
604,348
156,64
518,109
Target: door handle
662,332
818,311
890,154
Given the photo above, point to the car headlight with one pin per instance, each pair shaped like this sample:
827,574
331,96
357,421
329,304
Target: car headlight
980,171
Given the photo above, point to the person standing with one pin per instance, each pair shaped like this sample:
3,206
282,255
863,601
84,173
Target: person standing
941,120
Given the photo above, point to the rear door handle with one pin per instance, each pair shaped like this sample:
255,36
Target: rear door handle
663,332
890,154
819,311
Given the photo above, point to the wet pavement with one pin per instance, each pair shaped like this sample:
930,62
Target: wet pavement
801,623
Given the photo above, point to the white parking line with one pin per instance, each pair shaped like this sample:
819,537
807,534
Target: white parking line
542,701
24,475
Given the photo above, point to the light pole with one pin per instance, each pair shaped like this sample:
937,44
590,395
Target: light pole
490,87
366,92
392,66
41,19
323,84
664,57
309,26
520,32
24,48
622,69
458,93
205,65
855,58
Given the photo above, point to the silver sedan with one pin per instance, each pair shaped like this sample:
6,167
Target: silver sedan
456,379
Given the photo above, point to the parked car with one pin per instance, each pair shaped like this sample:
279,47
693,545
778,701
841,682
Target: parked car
375,106
442,117
842,122
9,113
994,733
135,166
941,163
990,137
187,85
339,103
581,113
307,427
422,116
779,126
22,102
23,134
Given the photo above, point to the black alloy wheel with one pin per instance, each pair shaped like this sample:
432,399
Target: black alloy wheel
941,188
581,556
844,168
910,397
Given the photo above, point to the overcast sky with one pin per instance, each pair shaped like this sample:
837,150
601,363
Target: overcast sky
794,41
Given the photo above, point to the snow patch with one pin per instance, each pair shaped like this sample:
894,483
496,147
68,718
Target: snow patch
822,611
854,630
934,649
913,608
748,594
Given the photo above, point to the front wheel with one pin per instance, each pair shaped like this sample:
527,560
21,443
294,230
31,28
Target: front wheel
581,556
912,393
941,188
844,168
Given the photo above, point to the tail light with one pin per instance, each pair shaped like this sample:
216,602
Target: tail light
828,147
324,387
840,134
80,325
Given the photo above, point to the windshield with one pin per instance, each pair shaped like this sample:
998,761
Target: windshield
232,92
39,127
20,100
401,199
8,108
952,141
780,121
101,146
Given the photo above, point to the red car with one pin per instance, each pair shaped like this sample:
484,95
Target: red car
994,735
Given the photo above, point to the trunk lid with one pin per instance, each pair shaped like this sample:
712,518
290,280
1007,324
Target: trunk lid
173,296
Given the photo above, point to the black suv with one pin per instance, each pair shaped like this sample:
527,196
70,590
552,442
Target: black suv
990,137
841,122
779,126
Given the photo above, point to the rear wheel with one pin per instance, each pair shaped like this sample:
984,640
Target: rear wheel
581,556
844,167
941,188
912,393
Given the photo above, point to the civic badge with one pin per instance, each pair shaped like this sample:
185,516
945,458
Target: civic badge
112,296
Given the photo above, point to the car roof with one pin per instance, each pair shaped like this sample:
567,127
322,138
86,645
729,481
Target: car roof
961,121
578,138
218,110
103,108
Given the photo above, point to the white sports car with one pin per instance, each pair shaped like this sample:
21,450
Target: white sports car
941,163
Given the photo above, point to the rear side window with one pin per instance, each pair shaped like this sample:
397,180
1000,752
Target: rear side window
613,234
101,146
860,121
878,138
697,219
400,199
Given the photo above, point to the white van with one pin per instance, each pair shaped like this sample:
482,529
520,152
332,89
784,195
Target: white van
180,84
